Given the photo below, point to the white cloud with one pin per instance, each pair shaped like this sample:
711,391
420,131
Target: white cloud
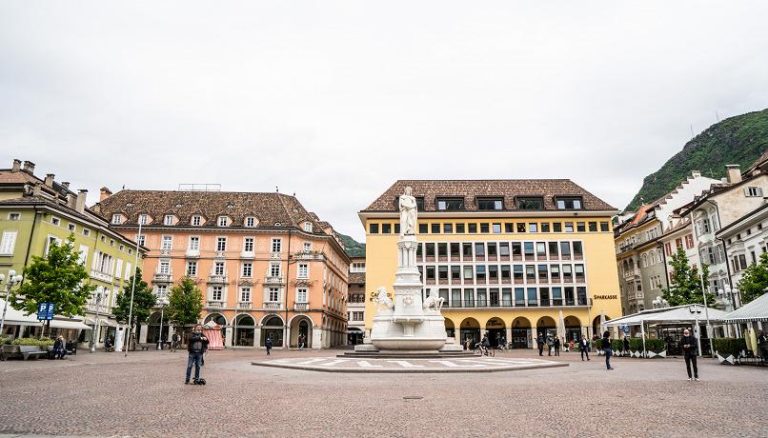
336,100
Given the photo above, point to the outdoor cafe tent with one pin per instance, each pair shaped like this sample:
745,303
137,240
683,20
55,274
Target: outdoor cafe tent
687,314
212,331
755,311
17,317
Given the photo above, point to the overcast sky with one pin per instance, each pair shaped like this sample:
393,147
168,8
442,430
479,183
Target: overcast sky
336,100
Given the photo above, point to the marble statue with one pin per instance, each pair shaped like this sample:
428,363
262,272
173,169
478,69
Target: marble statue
433,302
383,302
407,213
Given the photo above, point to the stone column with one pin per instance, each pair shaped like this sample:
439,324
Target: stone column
316,338
256,336
228,336
509,334
143,335
534,336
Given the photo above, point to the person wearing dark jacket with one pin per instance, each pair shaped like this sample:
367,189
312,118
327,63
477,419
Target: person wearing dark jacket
689,346
625,344
197,345
607,349
584,347
540,344
268,344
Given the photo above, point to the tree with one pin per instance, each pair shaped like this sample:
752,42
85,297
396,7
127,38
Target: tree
185,303
59,278
143,301
754,280
685,287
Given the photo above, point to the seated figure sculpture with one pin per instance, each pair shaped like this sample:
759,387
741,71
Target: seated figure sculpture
383,302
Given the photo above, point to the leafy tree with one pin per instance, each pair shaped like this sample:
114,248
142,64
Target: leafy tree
58,278
185,303
754,280
143,301
685,287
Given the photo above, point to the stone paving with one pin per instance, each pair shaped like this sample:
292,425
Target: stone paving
106,394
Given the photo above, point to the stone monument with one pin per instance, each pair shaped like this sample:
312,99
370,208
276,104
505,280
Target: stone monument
407,323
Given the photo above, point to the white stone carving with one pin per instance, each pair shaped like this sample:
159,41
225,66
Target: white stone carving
383,302
433,302
408,213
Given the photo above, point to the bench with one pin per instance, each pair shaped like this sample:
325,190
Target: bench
28,351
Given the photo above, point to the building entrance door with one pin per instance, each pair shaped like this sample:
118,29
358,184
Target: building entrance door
520,338
494,336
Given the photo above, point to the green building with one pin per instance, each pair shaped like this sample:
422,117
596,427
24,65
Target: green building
34,213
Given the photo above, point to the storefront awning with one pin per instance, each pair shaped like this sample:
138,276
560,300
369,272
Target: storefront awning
757,310
104,322
73,324
17,317
671,315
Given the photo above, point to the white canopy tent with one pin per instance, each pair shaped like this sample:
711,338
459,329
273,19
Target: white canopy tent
17,317
74,324
754,311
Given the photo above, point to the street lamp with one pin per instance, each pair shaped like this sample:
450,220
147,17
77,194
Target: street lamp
706,314
97,323
660,303
696,311
162,301
13,280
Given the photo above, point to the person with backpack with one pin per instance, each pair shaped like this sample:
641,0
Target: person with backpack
197,347
540,343
607,349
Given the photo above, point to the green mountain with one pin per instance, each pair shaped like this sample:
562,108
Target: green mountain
737,140
352,246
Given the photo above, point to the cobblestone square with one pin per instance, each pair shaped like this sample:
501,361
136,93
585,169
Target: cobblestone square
143,395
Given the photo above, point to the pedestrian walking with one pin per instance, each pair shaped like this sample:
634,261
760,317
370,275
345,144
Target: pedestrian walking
175,340
625,344
556,344
584,346
540,343
689,345
301,342
268,344
550,343
196,347
59,348
607,349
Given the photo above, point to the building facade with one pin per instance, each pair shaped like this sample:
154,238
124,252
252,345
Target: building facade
356,301
35,212
513,258
265,265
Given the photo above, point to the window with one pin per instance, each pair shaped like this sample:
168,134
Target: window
247,244
479,249
490,204
580,227
221,244
374,228
143,219
217,293
167,243
557,227
55,221
530,203
578,250
165,267
8,242
118,266
250,222
689,241
533,228
541,249
532,296
497,228
307,226
277,245
247,269
460,228
753,191
450,204
274,294
82,255
484,228
162,290
447,228
604,227
472,228
435,228
521,228
197,220
569,203
168,219
301,295
222,221
307,246
71,227
141,239
117,219
386,228
528,250
357,267
194,243
191,269
14,216
569,227
545,227
593,227
303,270
245,294
274,269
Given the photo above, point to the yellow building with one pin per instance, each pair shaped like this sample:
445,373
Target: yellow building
514,258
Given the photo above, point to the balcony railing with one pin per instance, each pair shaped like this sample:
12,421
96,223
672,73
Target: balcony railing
244,305
301,307
162,278
216,304
273,280
217,279
489,304
273,306
193,253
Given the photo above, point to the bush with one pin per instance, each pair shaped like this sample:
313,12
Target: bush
729,346
5,340
43,342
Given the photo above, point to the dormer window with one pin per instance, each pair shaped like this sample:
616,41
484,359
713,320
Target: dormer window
490,203
530,203
197,220
143,219
117,219
307,226
450,204
569,203
250,222
168,219
223,221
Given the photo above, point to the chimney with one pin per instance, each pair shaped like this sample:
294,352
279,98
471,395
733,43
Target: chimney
16,165
71,200
65,184
695,173
104,193
29,167
49,179
82,194
733,172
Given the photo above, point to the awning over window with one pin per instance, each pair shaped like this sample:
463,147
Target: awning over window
105,322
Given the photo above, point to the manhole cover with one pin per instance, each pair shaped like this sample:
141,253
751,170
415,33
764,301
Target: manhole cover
412,397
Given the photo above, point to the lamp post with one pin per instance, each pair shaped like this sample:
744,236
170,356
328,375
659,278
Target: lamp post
696,311
13,280
162,301
706,315
96,324
133,289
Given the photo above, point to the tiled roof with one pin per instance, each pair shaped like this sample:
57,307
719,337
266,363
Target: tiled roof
357,278
9,177
272,210
509,189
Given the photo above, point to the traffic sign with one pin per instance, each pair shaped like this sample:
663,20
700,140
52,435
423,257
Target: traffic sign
45,311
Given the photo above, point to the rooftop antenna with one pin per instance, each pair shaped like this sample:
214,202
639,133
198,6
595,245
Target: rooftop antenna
277,189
